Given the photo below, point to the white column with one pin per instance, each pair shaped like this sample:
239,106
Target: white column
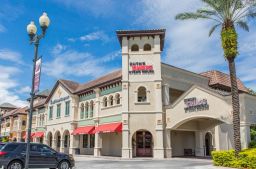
217,138
168,144
126,145
62,149
199,144
74,143
159,140
245,134
98,145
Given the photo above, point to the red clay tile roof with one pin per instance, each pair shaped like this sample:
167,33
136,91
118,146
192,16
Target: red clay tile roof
219,79
70,85
21,110
116,75
139,33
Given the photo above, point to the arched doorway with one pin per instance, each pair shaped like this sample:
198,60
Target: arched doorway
208,144
143,144
49,139
57,138
66,139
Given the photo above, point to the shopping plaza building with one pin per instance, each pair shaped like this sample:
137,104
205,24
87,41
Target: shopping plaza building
146,109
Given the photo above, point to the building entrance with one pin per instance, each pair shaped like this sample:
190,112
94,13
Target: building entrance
208,144
144,144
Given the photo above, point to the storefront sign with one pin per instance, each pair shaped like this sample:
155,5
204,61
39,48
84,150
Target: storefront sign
194,104
37,75
59,100
138,68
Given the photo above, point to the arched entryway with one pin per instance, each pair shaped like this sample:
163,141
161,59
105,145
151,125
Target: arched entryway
208,144
57,138
66,139
142,144
49,139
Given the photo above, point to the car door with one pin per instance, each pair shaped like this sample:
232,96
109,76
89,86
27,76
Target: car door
35,158
49,156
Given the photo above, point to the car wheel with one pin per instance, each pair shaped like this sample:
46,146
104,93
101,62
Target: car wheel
64,165
15,165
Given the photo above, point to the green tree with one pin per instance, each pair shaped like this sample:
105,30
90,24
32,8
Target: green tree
227,14
252,92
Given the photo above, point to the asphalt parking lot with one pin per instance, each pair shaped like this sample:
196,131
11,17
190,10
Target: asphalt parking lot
175,163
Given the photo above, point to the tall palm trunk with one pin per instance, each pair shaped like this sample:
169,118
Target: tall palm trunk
229,44
235,105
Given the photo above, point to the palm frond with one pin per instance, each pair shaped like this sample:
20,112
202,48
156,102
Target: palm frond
190,15
213,29
243,25
216,5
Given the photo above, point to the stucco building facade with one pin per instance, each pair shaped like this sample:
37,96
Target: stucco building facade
146,109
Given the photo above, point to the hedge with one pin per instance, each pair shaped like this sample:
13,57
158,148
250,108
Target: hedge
246,159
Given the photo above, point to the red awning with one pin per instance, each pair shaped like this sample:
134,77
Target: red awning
84,130
109,128
25,136
38,134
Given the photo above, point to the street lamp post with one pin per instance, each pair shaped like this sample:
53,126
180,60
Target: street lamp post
44,22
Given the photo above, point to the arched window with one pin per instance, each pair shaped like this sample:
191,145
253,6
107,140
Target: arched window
142,94
111,100
105,102
91,109
147,47
86,109
118,99
82,111
135,48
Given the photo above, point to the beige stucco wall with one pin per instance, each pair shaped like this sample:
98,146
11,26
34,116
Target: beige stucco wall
111,144
182,140
218,108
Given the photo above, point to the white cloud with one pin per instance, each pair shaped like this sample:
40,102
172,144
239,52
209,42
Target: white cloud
78,64
24,90
9,55
93,36
187,43
58,49
2,28
7,84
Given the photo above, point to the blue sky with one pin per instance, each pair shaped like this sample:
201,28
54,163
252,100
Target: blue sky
81,44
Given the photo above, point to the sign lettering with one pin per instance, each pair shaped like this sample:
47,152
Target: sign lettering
194,105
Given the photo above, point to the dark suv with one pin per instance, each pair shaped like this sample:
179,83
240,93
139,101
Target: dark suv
12,155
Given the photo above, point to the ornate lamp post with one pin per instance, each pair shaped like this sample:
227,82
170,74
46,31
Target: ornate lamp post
44,22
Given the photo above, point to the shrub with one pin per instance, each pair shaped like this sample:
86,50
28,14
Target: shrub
246,159
252,144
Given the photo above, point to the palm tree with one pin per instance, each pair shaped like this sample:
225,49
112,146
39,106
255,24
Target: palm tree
228,14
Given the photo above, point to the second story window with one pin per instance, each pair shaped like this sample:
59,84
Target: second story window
111,100
58,111
135,48
142,94
105,102
118,99
82,111
91,109
50,112
86,110
67,109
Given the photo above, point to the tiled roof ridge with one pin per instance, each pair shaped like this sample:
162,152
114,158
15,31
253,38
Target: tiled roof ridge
221,78
105,78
